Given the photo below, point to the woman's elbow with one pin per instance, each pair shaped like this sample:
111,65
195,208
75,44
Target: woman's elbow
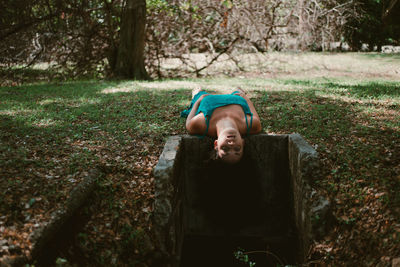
256,126
190,131
191,128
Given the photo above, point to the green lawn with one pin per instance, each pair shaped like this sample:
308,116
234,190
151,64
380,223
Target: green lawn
345,105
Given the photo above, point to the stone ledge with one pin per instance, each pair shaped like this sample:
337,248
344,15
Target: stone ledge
175,169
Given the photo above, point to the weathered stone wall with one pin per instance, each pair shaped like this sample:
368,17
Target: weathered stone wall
303,163
269,196
167,203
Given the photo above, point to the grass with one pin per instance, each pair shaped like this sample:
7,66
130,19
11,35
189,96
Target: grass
345,105
64,117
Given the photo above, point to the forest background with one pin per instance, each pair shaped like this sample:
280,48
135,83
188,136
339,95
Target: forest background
105,38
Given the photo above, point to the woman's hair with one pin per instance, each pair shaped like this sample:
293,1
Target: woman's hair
214,157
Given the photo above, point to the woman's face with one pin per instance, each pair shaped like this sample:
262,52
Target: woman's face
229,147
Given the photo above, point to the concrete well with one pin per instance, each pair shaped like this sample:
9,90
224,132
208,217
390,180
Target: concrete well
205,211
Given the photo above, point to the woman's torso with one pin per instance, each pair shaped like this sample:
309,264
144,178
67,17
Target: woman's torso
234,112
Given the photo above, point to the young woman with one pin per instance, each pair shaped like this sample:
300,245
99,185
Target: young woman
228,117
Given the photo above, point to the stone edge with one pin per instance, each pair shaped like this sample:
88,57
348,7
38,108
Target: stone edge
310,206
42,236
165,192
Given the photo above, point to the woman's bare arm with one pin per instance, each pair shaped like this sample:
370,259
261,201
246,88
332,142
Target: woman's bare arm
195,124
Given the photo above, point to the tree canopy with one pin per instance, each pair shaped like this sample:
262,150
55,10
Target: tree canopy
82,38
378,24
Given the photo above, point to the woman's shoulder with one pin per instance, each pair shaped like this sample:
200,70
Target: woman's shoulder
197,124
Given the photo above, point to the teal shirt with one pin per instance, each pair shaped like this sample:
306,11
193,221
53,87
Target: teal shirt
211,102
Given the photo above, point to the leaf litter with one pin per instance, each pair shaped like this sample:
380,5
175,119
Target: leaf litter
359,152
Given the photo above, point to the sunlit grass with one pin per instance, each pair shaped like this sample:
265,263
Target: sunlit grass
114,103
45,123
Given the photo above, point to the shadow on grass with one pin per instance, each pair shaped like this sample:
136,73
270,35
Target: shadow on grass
79,105
8,76
67,90
35,116
82,109
355,143
371,89
51,130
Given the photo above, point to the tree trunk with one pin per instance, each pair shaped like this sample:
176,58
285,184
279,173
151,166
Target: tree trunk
302,26
130,58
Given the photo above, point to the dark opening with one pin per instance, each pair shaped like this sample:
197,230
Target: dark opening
219,251
247,207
